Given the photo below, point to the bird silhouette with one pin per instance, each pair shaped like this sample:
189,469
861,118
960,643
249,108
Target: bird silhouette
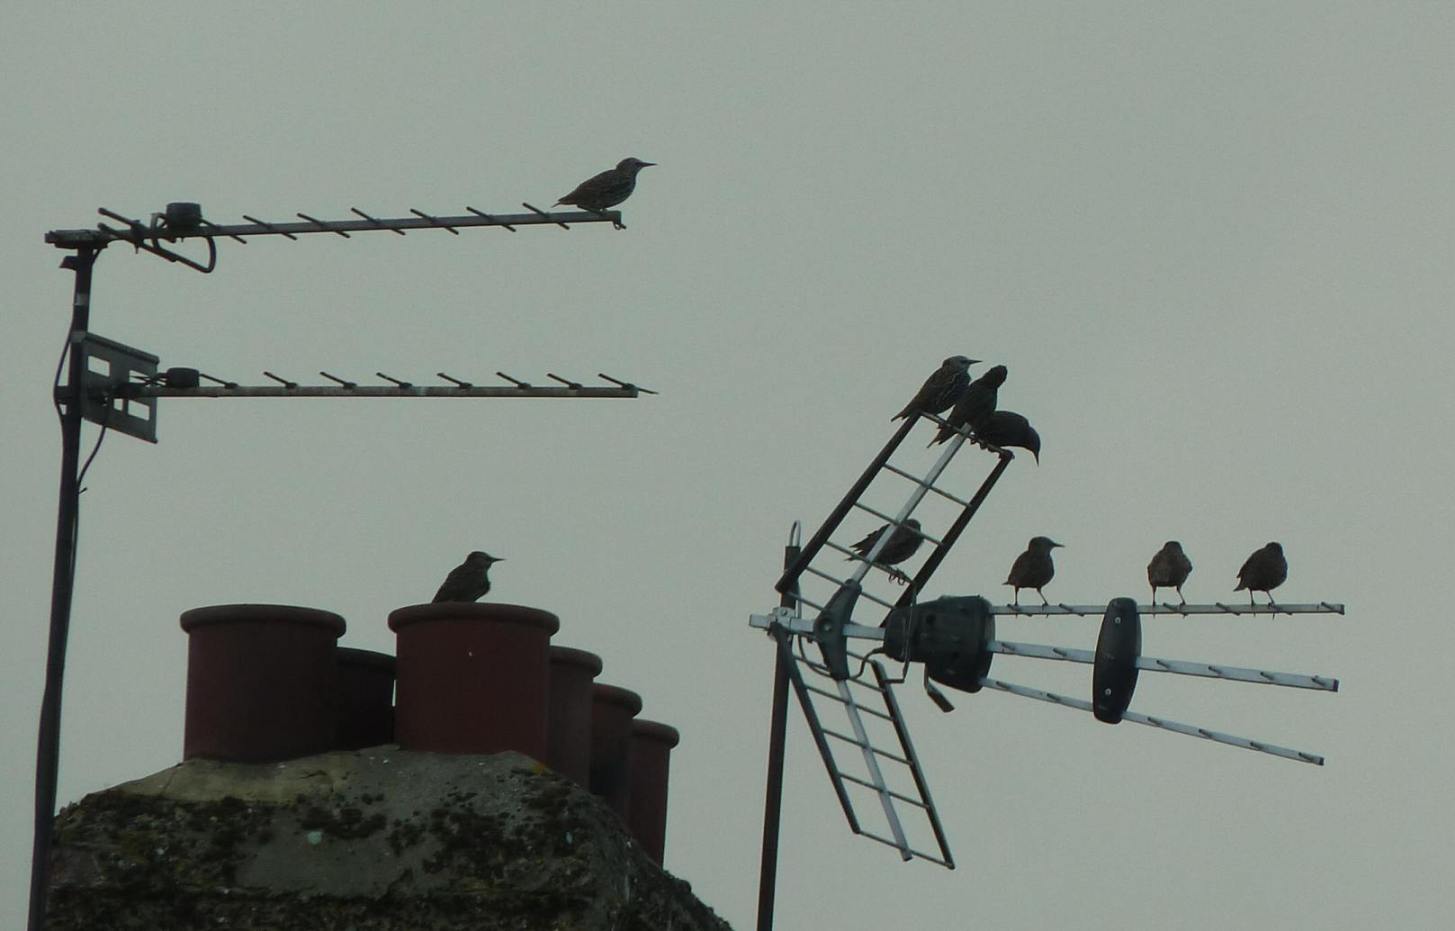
1262,572
1033,568
469,581
607,189
1007,428
1169,569
942,389
974,406
901,545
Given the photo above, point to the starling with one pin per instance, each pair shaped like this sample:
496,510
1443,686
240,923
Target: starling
1033,568
942,389
469,581
1169,569
1007,428
607,189
901,545
1262,572
974,406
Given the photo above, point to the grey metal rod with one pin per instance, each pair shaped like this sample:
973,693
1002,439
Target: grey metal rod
866,746
374,391
1175,666
872,764
97,237
837,581
905,853
891,467
1298,756
891,704
1217,607
804,626
810,715
892,794
794,624
1175,727
834,696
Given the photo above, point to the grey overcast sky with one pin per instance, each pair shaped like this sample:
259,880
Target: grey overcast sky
1212,243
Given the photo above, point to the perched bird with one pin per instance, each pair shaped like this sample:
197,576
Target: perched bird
1262,572
975,405
1169,569
469,581
607,189
942,389
901,545
1007,428
1033,568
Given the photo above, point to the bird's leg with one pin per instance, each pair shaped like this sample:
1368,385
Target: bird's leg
983,444
1180,595
1043,597
1154,596
899,577
1250,598
602,214
1017,601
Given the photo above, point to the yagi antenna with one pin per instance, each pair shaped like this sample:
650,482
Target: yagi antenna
184,220
824,613
117,386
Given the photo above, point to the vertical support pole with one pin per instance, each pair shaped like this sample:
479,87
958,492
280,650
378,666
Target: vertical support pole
777,735
48,744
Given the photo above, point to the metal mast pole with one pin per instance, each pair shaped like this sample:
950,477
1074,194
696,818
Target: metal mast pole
777,736
48,743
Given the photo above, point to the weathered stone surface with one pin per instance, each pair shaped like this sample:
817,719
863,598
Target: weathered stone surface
365,841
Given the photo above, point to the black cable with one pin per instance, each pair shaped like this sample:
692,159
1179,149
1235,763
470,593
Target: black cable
56,385
824,670
80,489
81,475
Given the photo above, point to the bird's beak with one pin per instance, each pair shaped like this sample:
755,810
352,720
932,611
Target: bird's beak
1055,545
649,164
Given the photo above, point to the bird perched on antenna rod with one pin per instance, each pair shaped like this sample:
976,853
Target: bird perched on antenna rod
942,389
1033,568
1007,428
1169,569
975,405
1262,572
469,581
607,189
900,546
